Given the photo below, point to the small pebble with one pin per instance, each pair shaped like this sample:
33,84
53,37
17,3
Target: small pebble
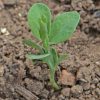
66,92
97,91
61,97
4,31
97,63
97,14
95,80
67,78
44,93
76,90
20,15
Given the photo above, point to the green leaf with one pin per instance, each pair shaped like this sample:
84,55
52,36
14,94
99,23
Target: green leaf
39,13
33,44
31,56
63,27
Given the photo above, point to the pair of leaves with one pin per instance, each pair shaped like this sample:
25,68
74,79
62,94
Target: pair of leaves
54,59
39,19
61,29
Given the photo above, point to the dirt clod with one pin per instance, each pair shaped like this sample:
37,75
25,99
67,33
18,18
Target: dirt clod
44,93
97,91
34,86
66,92
9,2
67,78
25,93
76,90
83,74
81,80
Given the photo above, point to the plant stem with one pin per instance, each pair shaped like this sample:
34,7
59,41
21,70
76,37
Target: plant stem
52,80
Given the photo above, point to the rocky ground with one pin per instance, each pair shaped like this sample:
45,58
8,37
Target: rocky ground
78,76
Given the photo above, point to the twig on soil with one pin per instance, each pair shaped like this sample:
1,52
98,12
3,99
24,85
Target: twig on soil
25,93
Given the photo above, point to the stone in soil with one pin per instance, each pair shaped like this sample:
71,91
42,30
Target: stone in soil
4,31
66,92
79,48
97,14
67,78
83,74
25,93
34,86
61,97
44,93
97,91
35,72
86,86
76,90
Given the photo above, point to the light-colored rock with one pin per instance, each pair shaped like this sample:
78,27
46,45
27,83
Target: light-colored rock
67,78
4,31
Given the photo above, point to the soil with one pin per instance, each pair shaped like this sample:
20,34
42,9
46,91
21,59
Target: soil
20,79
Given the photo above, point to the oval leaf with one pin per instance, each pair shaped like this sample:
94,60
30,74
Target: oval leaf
39,13
63,26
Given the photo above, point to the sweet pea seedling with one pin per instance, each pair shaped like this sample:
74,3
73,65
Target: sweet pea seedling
50,33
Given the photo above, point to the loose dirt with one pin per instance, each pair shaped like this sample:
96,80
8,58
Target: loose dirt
20,79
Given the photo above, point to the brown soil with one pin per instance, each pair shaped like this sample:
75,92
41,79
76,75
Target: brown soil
21,80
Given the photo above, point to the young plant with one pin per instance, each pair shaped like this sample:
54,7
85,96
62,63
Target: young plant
50,33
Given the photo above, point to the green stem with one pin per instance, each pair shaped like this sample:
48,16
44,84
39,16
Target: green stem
46,44
52,80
